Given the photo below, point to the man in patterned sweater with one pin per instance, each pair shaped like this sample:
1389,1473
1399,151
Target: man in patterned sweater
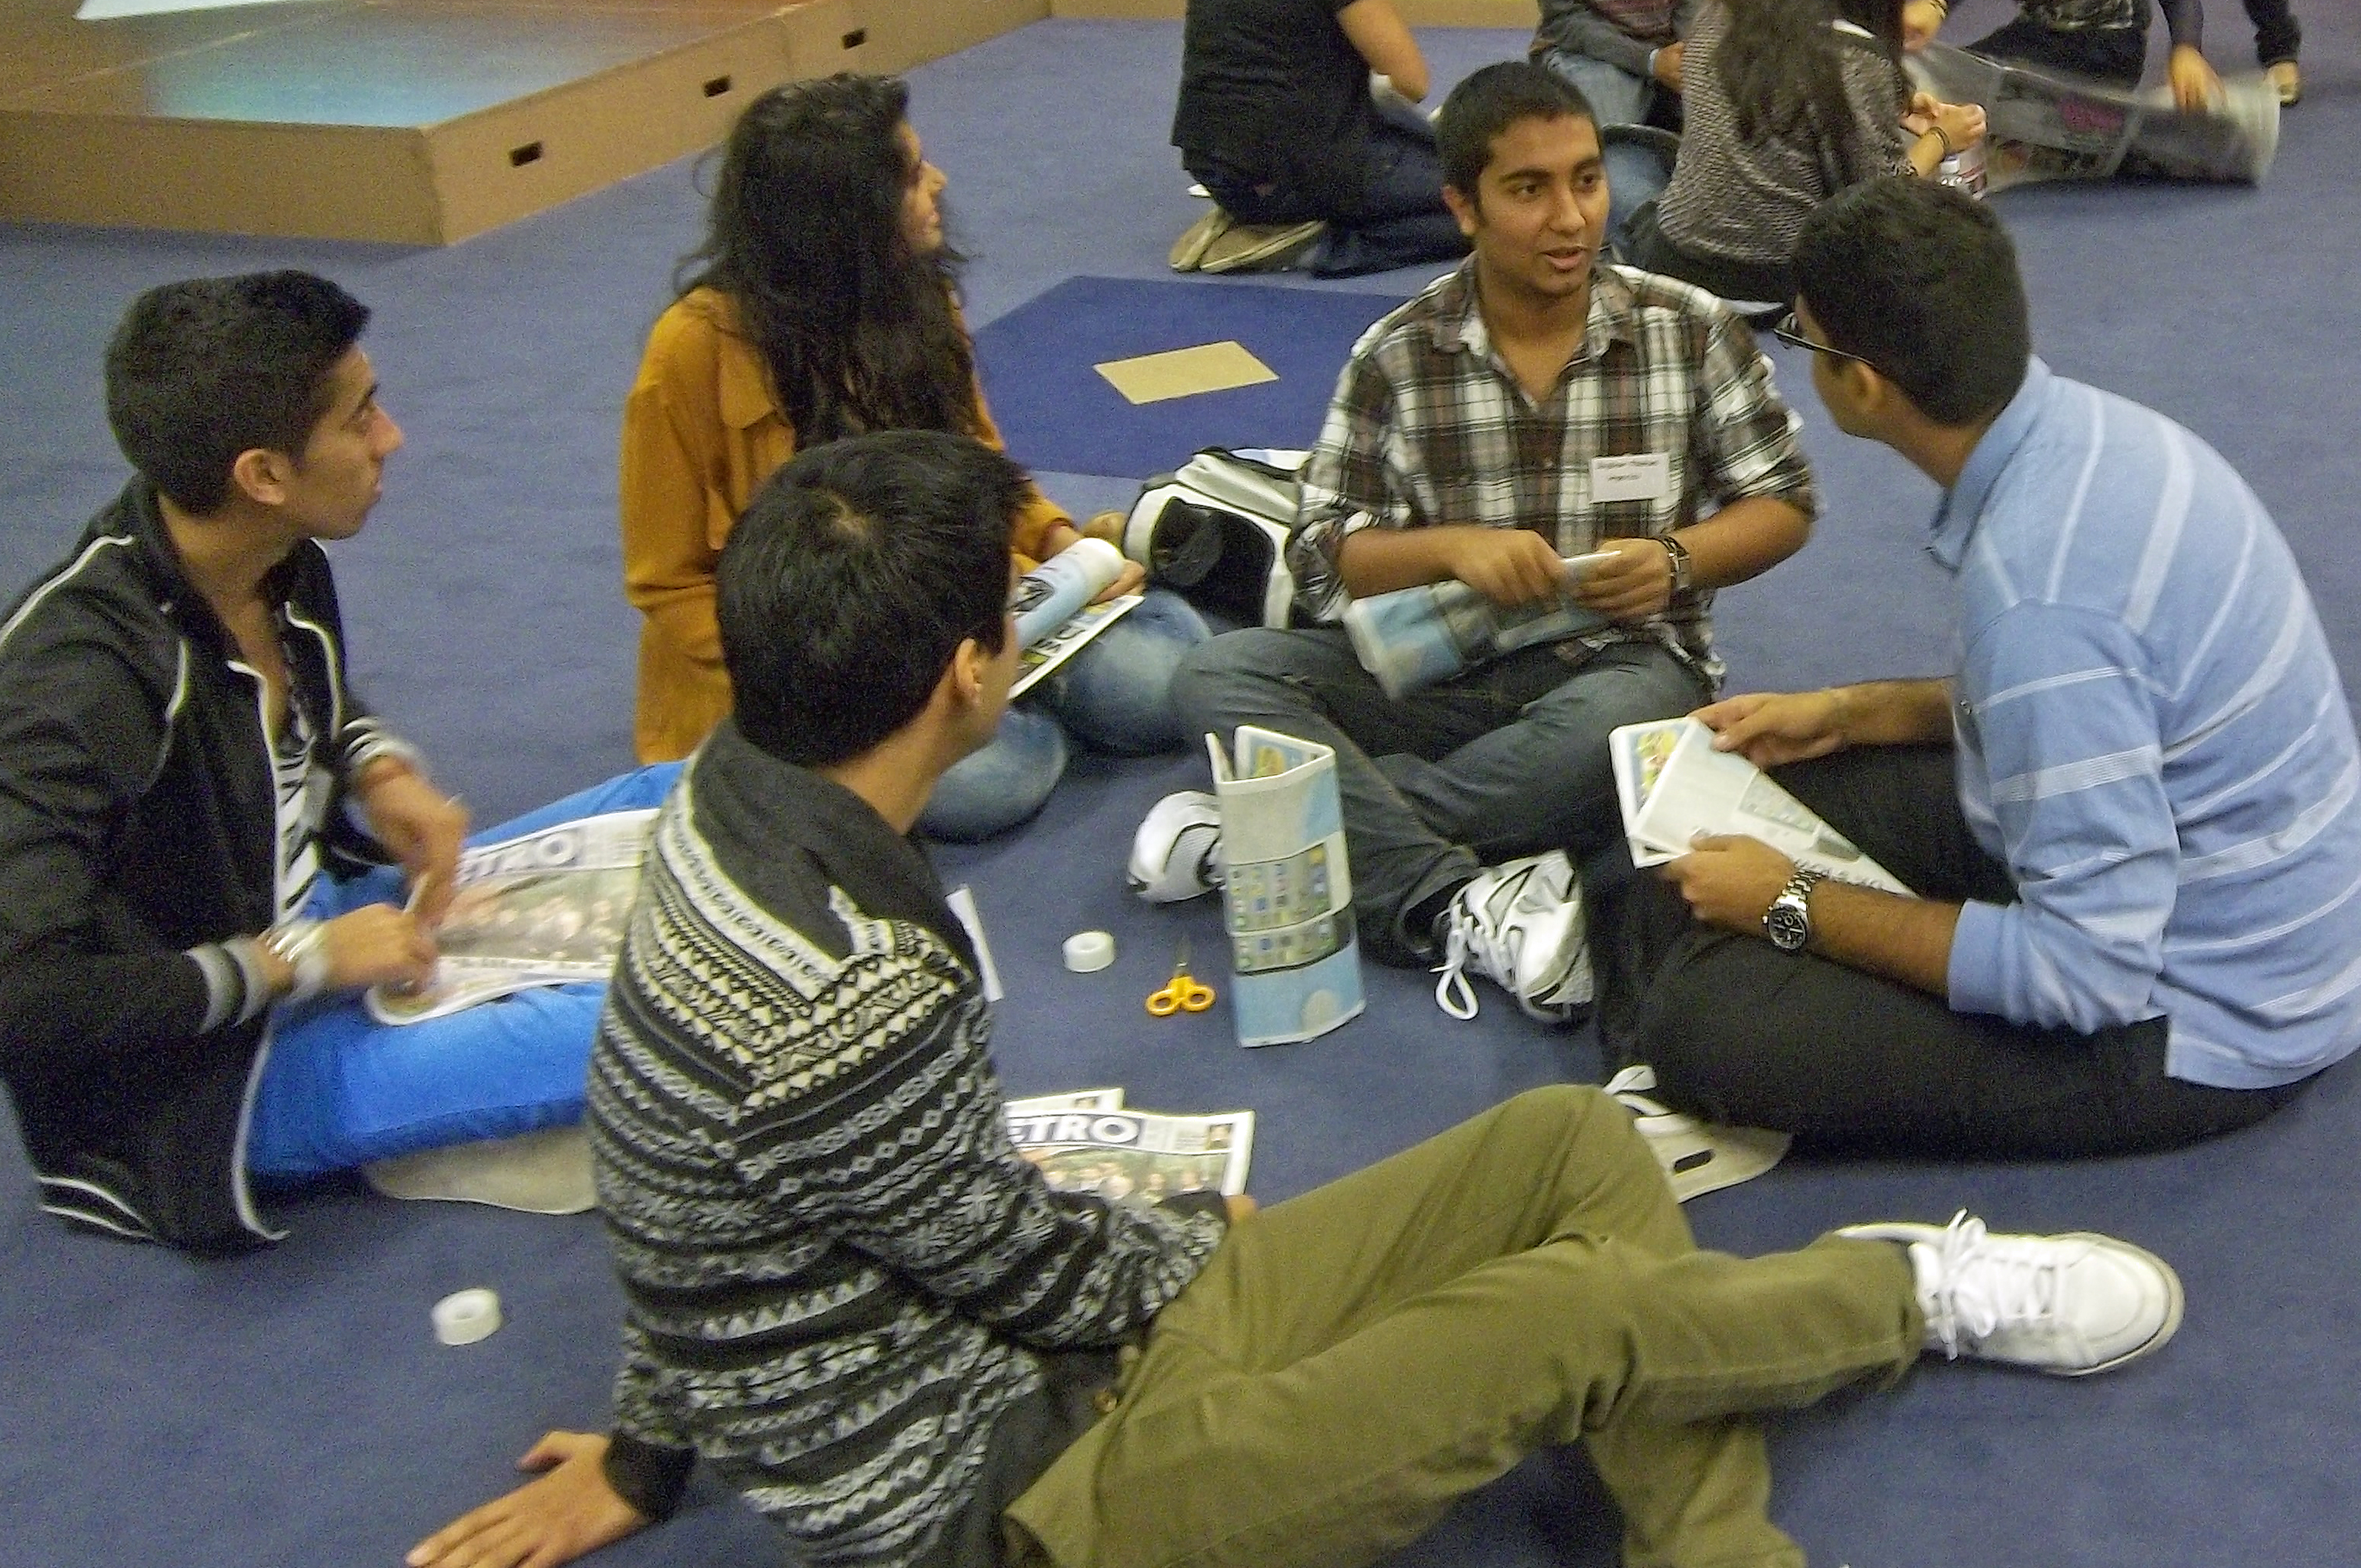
851,1297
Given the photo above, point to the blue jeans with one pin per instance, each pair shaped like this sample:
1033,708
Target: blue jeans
1504,761
342,1090
1114,696
1637,171
1617,97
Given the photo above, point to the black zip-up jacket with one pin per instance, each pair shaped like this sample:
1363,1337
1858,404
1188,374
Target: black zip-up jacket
138,837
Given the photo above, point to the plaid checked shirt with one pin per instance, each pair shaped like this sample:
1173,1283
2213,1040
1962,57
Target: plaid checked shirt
1429,427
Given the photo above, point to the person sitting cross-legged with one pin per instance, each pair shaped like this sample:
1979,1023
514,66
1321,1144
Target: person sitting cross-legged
2128,811
850,1296
186,907
1534,405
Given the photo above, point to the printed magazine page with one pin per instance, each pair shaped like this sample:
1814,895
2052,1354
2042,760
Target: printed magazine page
547,908
1139,1157
1034,664
1672,785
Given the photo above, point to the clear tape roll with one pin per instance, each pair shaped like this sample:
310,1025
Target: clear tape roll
1089,952
465,1316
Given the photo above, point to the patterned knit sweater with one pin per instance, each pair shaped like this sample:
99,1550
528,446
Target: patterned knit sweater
839,1274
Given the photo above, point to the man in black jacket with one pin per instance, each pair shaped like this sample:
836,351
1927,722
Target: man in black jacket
178,752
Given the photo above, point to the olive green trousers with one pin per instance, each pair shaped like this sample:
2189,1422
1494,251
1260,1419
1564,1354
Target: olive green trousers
1352,1361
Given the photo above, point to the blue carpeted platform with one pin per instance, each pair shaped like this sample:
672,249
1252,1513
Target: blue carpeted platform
1057,412
291,1409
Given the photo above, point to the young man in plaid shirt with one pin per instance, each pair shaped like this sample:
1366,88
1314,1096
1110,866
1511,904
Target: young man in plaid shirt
1534,405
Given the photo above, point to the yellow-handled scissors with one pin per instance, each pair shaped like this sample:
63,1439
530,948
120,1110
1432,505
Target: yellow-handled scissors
1184,992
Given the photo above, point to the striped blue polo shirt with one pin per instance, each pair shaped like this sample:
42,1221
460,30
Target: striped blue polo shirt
2153,736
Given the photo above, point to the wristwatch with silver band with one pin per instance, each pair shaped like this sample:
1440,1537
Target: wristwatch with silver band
1679,554
1789,921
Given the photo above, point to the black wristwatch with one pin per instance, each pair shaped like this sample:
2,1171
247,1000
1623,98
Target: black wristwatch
1679,552
1789,921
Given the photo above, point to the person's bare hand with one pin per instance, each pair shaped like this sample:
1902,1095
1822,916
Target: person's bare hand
1508,565
1962,123
1921,20
377,944
1130,580
1729,879
1634,585
1770,727
423,826
1666,67
1241,1207
2196,87
569,1512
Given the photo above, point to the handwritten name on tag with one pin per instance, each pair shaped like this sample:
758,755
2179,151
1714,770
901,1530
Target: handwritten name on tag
1641,477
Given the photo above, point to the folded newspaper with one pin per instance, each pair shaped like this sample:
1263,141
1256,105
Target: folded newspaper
546,908
1287,888
1086,1142
1674,785
2047,127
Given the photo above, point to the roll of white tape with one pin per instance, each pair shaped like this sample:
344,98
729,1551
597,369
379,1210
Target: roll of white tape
465,1316
1088,951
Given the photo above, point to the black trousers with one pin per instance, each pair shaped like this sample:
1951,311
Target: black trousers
2113,55
1740,1032
2277,36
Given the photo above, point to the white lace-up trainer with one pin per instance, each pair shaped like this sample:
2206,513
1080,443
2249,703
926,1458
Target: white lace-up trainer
1520,925
2067,1305
1177,853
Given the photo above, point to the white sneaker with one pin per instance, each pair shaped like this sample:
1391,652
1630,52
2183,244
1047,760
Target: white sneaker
2067,1305
1520,925
1177,853
1697,1156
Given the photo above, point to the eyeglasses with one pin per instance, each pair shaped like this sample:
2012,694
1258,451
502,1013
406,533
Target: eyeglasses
1790,330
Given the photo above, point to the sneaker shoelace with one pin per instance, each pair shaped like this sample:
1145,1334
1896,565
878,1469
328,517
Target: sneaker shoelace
1986,1284
1451,993
1467,941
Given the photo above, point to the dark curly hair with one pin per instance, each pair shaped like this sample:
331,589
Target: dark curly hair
804,235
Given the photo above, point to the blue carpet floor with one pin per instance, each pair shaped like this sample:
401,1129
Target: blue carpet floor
291,1409
1058,413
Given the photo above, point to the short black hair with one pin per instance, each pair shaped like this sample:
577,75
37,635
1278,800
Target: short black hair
1487,103
851,579
202,370
1920,281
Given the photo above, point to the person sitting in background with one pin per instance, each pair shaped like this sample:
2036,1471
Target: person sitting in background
2106,40
850,1297
1789,102
1625,55
179,751
822,303
1279,119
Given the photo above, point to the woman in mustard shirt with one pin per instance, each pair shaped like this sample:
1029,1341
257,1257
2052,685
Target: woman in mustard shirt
823,303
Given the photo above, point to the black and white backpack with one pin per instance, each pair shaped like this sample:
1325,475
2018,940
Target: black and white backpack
1214,532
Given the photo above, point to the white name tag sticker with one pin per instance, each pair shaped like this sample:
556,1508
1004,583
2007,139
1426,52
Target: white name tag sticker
1642,476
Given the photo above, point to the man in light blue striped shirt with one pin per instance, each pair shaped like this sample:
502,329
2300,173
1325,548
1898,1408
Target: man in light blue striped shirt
2127,813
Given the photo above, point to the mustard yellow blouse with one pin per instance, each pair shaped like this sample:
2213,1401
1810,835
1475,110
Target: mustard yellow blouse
701,432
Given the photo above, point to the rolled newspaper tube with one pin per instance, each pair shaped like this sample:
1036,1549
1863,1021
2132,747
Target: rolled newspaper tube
1047,596
1411,638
